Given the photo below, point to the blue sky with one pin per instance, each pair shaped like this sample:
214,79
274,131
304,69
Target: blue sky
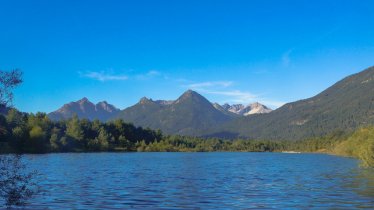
230,51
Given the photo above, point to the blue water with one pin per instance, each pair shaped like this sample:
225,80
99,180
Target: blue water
200,180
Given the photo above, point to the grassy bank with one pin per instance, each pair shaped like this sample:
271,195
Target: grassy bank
359,145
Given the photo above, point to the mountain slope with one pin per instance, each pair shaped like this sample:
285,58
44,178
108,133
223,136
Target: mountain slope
85,109
190,114
346,105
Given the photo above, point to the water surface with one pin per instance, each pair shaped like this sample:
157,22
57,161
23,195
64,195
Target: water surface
200,180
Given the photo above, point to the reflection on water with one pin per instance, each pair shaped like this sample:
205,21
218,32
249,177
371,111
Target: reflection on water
201,180
362,181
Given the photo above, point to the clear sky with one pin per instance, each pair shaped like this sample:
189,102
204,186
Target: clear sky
230,51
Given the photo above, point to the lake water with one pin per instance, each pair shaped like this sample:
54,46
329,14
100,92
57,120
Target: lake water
200,180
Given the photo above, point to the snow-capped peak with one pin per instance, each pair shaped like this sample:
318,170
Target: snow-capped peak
240,109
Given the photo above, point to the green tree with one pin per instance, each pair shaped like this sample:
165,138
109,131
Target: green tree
103,139
65,144
15,185
124,143
37,139
54,142
14,118
141,146
74,131
20,134
3,128
8,81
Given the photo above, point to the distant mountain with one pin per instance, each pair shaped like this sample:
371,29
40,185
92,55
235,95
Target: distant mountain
224,110
345,106
190,114
240,109
85,109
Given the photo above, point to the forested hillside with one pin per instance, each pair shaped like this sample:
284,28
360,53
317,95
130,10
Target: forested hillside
191,114
346,106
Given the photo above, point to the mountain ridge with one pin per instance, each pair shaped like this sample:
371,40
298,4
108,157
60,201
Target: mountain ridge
84,108
345,106
191,113
240,109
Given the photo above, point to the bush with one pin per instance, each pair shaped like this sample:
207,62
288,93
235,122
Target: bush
16,185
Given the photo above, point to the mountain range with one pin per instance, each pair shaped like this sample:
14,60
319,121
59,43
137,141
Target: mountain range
85,109
345,106
191,113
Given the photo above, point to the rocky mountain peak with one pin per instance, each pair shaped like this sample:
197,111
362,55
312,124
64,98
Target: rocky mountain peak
226,106
145,100
85,109
240,109
83,100
190,93
106,107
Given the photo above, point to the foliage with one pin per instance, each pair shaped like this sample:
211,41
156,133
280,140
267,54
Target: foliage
16,185
35,133
8,81
360,145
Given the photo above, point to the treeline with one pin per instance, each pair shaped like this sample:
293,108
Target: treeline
35,133
191,144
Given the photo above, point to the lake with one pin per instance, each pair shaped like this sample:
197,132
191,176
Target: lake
200,180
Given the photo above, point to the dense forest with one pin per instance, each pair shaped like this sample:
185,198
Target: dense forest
36,133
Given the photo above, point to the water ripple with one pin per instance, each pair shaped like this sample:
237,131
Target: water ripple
200,181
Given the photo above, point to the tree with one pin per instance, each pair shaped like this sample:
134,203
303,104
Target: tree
3,128
16,185
53,141
141,146
14,118
75,131
124,143
37,139
103,139
8,81
19,137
